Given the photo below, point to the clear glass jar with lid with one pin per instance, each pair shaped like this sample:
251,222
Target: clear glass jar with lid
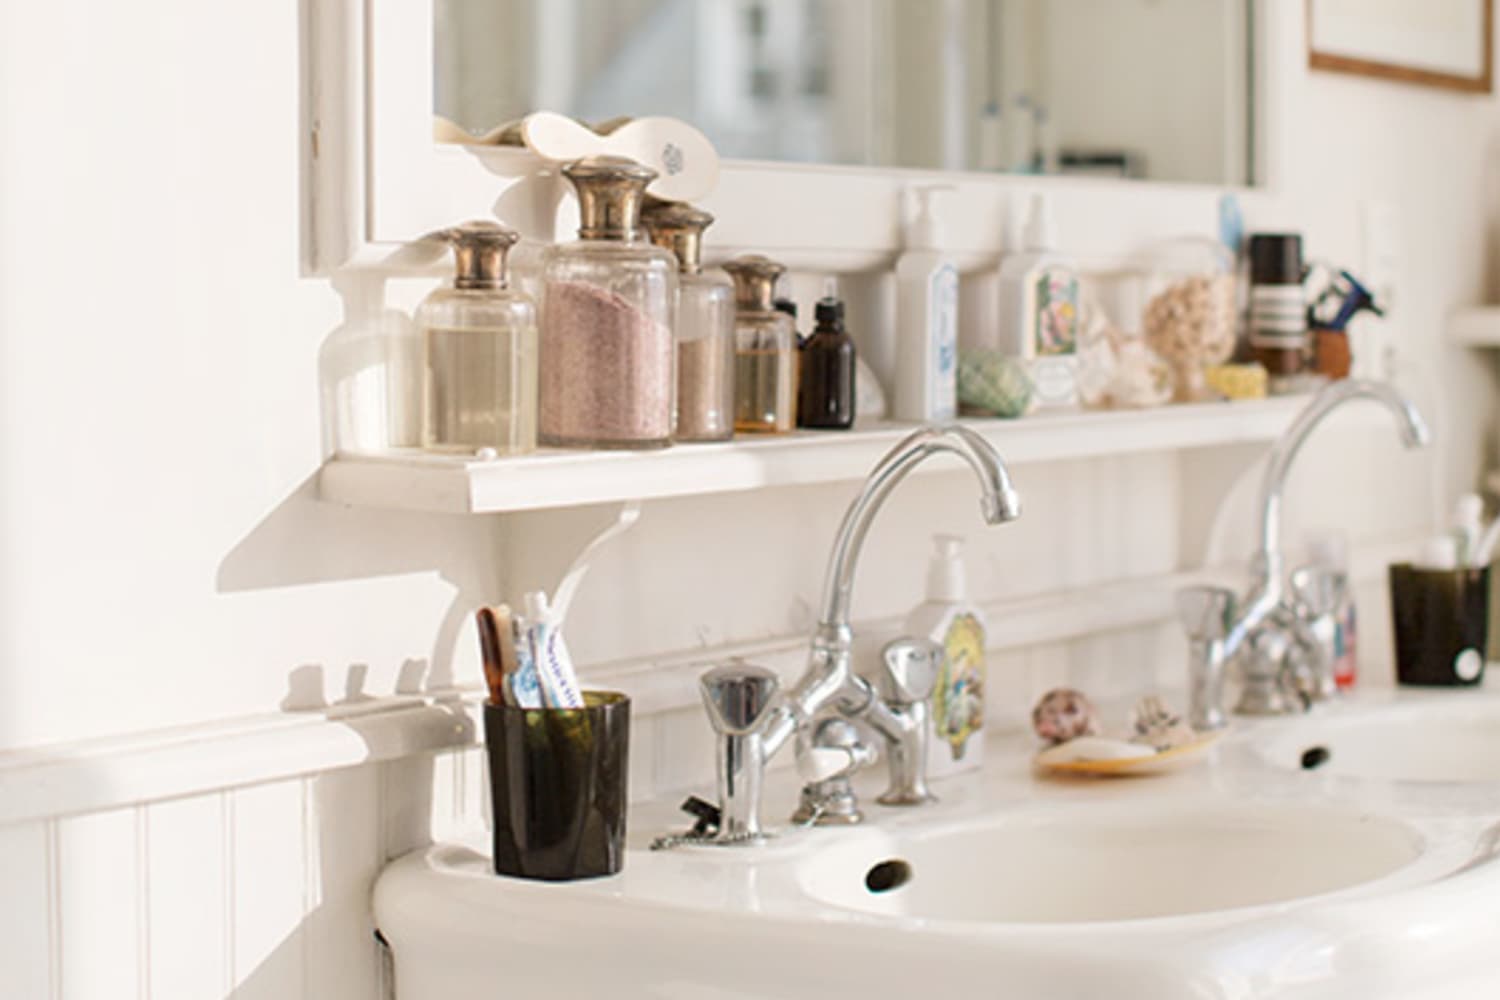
479,344
1190,318
608,374
704,326
765,359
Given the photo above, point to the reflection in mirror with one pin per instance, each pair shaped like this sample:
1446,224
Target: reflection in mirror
1157,89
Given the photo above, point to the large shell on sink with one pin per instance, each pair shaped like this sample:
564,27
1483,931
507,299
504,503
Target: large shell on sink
1064,714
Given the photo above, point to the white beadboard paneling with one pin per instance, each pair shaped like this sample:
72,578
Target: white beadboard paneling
187,896
99,900
269,890
341,961
25,917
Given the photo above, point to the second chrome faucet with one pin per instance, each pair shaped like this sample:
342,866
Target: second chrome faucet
1272,631
753,720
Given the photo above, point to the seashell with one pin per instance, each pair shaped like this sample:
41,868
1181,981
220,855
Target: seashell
1064,714
1155,724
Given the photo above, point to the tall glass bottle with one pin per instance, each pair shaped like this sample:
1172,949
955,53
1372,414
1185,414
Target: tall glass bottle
479,343
608,376
704,326
765,359
827,390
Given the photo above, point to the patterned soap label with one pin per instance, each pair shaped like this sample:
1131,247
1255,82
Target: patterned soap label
958,702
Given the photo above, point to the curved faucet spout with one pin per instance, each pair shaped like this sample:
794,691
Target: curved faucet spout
999,503
1409,422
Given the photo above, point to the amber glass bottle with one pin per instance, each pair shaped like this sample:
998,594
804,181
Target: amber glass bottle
826,398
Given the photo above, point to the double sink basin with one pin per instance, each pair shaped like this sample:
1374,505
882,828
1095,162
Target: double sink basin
1346,853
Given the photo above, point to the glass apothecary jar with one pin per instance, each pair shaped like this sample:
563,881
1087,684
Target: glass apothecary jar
1190,317
479,344
765,353
704,326
608,373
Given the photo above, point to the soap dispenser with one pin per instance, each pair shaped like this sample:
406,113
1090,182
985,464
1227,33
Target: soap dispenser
765,360
608,378
1038,291
947,618
704,326
927,319
479,343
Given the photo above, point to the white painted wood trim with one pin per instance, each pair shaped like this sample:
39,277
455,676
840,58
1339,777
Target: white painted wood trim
379,181
105,774
411,480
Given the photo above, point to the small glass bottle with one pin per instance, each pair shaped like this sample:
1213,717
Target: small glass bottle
479,342
765,358
608,377
827,391
704,326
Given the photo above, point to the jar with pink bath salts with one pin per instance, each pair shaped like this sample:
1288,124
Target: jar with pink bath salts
607,355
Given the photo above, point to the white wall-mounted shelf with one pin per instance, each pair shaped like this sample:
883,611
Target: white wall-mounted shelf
1478,326
411,480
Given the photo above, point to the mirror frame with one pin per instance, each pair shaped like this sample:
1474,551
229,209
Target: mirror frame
375,180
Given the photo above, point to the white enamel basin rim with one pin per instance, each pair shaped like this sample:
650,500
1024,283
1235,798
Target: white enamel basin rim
1448,744
1114,865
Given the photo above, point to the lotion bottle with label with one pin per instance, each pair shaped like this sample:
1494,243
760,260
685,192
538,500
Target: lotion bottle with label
927,319
1038,290
947,618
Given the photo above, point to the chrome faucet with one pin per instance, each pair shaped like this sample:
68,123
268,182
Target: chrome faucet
761,722
1274,634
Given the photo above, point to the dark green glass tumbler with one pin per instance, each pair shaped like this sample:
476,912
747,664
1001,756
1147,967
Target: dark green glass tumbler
558,787
1441,619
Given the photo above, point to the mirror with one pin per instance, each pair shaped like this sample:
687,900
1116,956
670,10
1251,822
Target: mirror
1155,89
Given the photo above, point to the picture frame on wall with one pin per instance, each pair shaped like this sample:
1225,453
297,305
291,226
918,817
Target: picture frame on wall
1436,43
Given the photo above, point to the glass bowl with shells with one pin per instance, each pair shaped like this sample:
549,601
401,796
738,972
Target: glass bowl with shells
1190,317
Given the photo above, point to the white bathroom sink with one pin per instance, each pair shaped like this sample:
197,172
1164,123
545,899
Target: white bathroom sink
1164,891
1444,741
1109,864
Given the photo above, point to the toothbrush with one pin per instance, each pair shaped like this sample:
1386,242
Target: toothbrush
491,649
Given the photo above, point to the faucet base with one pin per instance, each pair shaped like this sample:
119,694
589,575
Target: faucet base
828,803
907,797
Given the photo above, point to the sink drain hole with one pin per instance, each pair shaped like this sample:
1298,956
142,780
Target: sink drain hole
1314,757
888,875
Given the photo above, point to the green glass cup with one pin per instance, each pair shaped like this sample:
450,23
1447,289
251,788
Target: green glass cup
558,785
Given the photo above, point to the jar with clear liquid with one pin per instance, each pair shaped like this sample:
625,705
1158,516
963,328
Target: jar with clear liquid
704,326
765,360
479,342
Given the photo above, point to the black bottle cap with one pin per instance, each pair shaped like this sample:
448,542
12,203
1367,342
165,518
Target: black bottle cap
829,312
1275,258
786,306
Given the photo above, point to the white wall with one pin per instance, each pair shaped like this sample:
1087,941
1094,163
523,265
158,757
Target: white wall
163,560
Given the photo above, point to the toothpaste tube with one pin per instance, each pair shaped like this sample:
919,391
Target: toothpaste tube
523,686
554,667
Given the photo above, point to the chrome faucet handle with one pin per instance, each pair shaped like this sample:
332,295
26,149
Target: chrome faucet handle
828,754
910,669
740,699
1207,612
1317,590
738,696
1269,685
